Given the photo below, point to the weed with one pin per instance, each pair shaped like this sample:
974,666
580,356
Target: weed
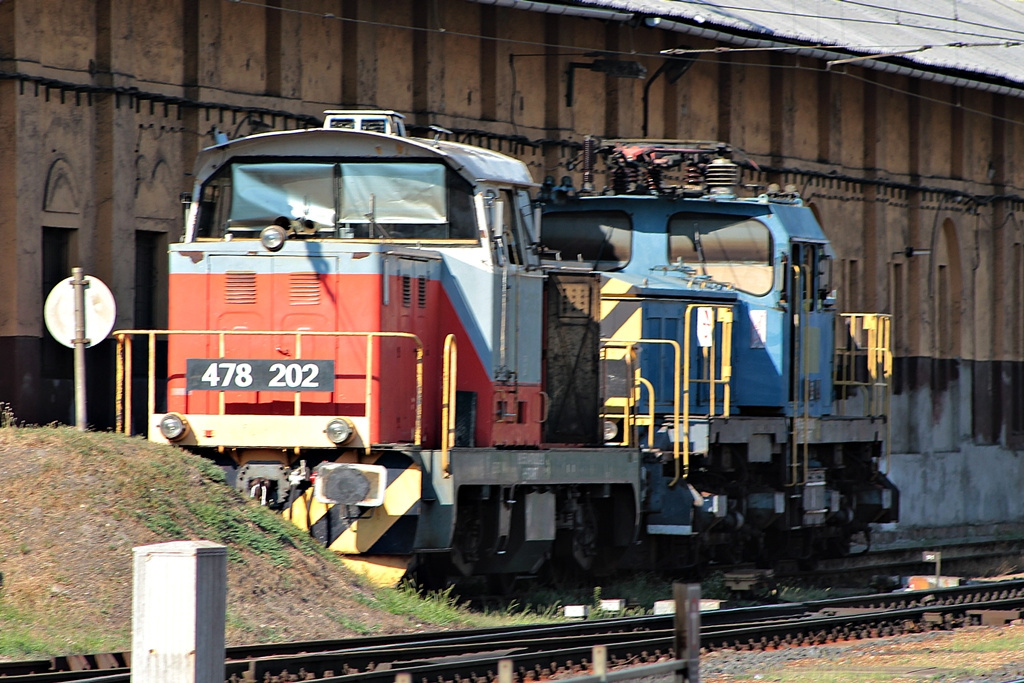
357,627
7,419
713,587
25,634
439,608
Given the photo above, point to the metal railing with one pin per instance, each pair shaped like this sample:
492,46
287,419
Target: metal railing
716,374
448,402
864,341
124,367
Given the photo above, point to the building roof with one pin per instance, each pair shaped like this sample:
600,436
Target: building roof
970,43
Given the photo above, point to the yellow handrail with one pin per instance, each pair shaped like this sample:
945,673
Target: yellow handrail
640,381
804,388
867,338
682,381
124,367
448,388
628,344
722,314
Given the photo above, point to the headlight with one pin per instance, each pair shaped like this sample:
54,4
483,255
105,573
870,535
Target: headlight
339,431
273,237
173,426
611,430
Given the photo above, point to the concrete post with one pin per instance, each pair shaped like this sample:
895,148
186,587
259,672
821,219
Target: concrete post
180,596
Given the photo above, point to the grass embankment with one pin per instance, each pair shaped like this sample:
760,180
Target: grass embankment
77,503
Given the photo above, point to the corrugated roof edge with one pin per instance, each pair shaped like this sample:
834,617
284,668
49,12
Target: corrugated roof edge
744,34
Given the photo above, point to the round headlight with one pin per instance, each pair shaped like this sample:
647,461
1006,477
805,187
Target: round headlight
339,430
173,426
611,430
273,237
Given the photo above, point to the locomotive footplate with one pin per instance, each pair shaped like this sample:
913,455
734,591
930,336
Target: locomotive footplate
831,429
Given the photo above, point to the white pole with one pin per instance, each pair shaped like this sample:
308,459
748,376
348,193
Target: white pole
79,283
180,596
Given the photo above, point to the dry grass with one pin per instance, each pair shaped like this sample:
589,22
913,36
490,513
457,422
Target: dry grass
76,504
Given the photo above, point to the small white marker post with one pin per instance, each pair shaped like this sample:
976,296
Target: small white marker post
180,595
505,672
599,655
936,557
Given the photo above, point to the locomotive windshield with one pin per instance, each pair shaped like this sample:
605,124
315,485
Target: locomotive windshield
360,200
602,239
731,249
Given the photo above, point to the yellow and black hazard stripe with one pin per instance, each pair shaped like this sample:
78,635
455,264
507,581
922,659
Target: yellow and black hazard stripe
621,310
389,529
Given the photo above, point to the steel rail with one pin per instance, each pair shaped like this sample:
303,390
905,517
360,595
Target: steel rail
532,646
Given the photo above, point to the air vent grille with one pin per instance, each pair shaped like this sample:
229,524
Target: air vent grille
422,281
240,287
406,291
304,289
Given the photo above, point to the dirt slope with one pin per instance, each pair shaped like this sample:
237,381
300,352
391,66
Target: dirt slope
75,504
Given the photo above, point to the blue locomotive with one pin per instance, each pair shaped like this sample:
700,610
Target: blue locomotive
724,352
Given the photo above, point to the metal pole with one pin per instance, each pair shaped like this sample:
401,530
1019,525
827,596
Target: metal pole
78,283
687,630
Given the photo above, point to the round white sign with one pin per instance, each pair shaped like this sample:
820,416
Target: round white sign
59,312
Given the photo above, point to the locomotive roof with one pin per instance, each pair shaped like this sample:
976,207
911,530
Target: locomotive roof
473,163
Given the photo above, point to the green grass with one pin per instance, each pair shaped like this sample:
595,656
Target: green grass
820,677
20,635
640,591
439,608
221,514
1011,641
356,627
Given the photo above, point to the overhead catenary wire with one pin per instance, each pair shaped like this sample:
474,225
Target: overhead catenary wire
302,119
542,44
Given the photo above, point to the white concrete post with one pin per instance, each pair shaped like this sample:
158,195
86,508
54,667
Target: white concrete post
180,596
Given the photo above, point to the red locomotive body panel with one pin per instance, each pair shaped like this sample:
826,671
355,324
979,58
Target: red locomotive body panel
241,299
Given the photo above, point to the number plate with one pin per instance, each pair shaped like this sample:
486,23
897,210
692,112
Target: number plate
225,374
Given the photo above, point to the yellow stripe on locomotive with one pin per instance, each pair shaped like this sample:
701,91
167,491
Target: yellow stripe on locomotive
381,524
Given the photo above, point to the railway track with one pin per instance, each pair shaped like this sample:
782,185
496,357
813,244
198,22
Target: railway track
540,651
959,557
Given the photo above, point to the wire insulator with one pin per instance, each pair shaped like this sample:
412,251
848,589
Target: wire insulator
624,180
694,175
589,148
654,180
